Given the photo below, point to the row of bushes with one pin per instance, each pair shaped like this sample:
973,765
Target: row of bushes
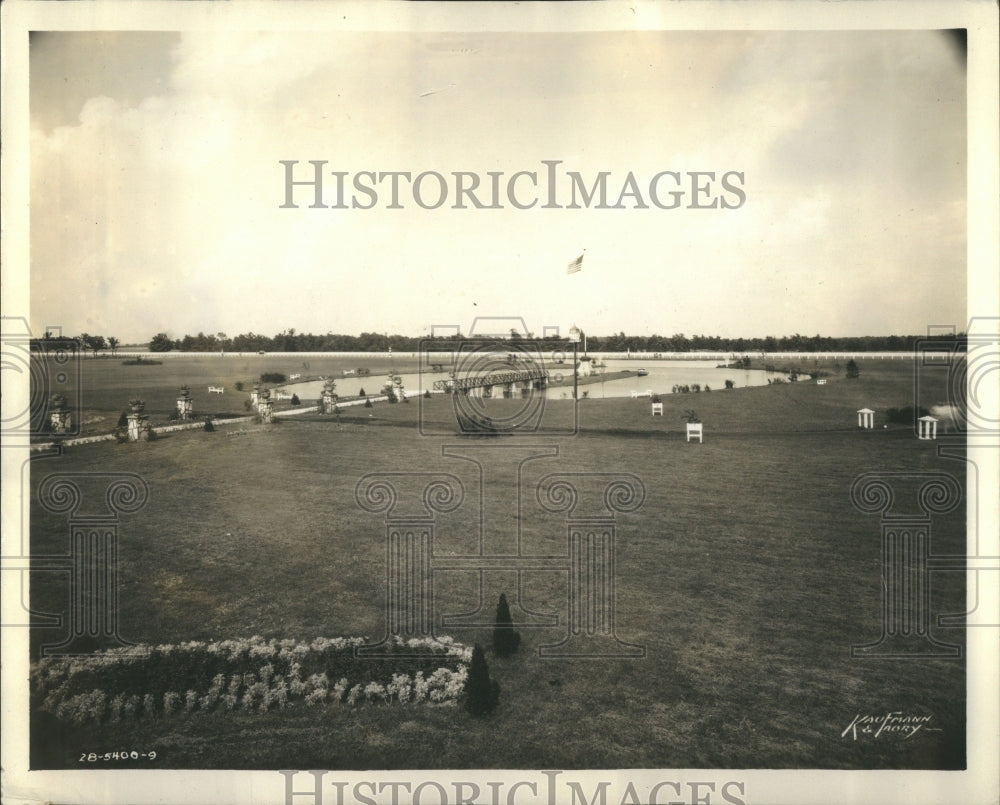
260,692
250,673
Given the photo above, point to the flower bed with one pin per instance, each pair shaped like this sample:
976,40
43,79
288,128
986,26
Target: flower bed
250,674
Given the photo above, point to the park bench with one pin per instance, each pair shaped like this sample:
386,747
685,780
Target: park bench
646,393
216,389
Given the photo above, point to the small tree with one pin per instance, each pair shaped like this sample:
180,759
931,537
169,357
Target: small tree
505,639
368,403
296,400
852,368
239,385
730,384
209,427
481,692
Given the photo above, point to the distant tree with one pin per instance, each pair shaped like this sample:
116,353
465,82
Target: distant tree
161,343
852,368
97,343
362,393
113,344
505,639
481,692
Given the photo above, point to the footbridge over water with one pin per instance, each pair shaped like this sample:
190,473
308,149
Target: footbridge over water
525,378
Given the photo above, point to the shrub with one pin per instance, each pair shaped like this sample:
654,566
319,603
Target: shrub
481,693
296,400
151,435
427,394
209,427
852,369
362,393
691,416
907,415
239,385
368,403
123,420
730,384
505,639
273,377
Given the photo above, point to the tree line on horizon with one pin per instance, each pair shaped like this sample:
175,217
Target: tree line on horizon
292,341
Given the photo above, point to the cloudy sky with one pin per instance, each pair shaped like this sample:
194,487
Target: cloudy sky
157,184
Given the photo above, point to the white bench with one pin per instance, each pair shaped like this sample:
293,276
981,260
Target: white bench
821,382
657,409
637,394
694,429
349,372
216,389
294,377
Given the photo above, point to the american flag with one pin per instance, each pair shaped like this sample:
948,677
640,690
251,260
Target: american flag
575,266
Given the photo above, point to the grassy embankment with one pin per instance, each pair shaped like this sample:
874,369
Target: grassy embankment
747,575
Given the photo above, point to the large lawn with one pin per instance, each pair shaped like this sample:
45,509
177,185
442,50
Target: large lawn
747,575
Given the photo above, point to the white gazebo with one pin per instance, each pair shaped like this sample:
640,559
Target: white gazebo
927,427
866,418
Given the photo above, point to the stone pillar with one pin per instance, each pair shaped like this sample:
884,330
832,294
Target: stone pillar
255,395
59,414
265,407
329,399
185,405
138,422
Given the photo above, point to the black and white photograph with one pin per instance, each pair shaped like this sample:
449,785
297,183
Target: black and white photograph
500,403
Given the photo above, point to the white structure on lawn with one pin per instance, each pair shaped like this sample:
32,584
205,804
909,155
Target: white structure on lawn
866,418
927,427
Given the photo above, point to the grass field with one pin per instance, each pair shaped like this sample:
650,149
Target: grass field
747,575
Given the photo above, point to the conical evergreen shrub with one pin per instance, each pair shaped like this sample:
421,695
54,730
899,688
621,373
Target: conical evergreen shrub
505,639
481,692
